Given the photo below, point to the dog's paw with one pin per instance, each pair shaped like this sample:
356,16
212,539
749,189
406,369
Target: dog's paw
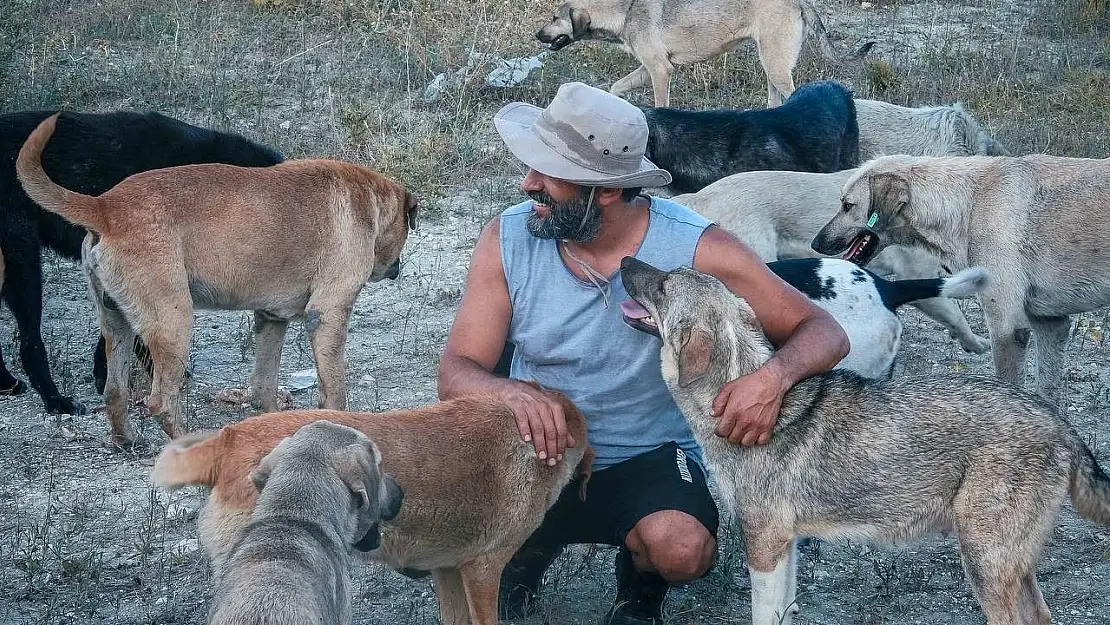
234,395
975,344
247,396
15,387
64,405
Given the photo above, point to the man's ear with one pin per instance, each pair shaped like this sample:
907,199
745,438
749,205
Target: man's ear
695,349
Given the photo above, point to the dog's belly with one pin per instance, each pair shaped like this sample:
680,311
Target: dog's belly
279,303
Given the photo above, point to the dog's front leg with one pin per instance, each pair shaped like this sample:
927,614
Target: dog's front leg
636,79
771,565
451,596
481,578
1051,334
327,332
269,334
1009,334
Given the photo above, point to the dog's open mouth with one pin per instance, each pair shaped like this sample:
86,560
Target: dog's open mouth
863,247
560,42
638,317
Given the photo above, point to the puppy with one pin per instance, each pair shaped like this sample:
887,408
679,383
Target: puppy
321,491
297,239
474,491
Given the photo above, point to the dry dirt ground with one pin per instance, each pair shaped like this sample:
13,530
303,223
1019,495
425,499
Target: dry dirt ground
83,537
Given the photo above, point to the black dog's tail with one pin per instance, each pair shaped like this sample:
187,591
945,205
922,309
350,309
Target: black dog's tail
967,283
83,210
816,27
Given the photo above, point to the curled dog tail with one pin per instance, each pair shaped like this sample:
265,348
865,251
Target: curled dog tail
816,27
190,459
974,137
967,283
1090,486
83,210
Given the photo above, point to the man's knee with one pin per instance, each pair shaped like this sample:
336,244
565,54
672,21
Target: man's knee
676,546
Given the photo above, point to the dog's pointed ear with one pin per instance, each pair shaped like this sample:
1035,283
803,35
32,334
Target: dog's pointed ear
695,349
261,473
411,210
890,194
579,23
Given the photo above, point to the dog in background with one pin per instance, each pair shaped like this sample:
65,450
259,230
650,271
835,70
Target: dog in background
815,130
462,520
1039,224
663,34
777,213
166,241
950,130
90,153
321,491
881,462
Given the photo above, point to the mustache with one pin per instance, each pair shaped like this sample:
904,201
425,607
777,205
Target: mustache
540,197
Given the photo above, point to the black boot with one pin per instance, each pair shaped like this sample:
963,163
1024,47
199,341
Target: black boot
520,581
639,595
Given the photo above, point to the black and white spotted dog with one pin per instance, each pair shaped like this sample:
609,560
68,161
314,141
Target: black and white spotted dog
865,305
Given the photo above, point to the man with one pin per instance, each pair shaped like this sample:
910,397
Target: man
545,277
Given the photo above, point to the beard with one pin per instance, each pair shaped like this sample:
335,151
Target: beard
574,220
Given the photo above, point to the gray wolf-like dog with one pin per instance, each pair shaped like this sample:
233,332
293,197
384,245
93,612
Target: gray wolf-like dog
662,34
321,492
1039,224
777,213
948,130
878,462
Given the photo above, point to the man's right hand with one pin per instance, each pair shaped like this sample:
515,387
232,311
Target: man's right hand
540,421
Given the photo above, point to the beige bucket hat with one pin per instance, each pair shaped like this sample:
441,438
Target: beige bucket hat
585,136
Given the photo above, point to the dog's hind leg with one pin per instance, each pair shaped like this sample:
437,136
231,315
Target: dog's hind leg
634,80
1051,334
119,339
771,565
451,596
23,294
778,52
269,334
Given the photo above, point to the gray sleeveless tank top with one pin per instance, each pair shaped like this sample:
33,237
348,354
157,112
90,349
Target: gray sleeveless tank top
568,339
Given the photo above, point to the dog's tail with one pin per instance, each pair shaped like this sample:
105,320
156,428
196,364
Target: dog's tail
967,283
1090,486
975,138
816,27
190,459
83,210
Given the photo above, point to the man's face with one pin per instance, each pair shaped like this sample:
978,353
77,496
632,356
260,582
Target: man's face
562,210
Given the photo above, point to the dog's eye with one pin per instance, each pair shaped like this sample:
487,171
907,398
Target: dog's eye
846,206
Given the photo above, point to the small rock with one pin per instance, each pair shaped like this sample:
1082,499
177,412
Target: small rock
285,125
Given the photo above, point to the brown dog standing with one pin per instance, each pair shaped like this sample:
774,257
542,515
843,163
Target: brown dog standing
298,238
474,491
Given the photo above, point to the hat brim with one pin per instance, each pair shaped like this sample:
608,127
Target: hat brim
514,122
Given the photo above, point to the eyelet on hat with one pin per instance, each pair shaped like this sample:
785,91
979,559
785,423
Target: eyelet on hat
606,152
624,149
591,137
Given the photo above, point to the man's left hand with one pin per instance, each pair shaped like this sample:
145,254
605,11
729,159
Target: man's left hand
748,407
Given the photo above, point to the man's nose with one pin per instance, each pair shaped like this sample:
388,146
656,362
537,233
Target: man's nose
533,181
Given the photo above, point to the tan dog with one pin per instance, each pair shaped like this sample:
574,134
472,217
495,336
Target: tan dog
298,238
662,34
1039,224
474,491
321,492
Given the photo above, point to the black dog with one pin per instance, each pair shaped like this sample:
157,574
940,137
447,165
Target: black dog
814,130
89,153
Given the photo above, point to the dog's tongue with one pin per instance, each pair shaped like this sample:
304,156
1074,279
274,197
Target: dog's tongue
633,310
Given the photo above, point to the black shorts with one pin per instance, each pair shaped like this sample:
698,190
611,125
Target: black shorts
617,497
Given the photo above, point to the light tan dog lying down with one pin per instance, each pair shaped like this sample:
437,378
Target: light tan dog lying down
474,491
300,238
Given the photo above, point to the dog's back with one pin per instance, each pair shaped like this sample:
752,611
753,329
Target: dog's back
814,130
887,128
469,480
